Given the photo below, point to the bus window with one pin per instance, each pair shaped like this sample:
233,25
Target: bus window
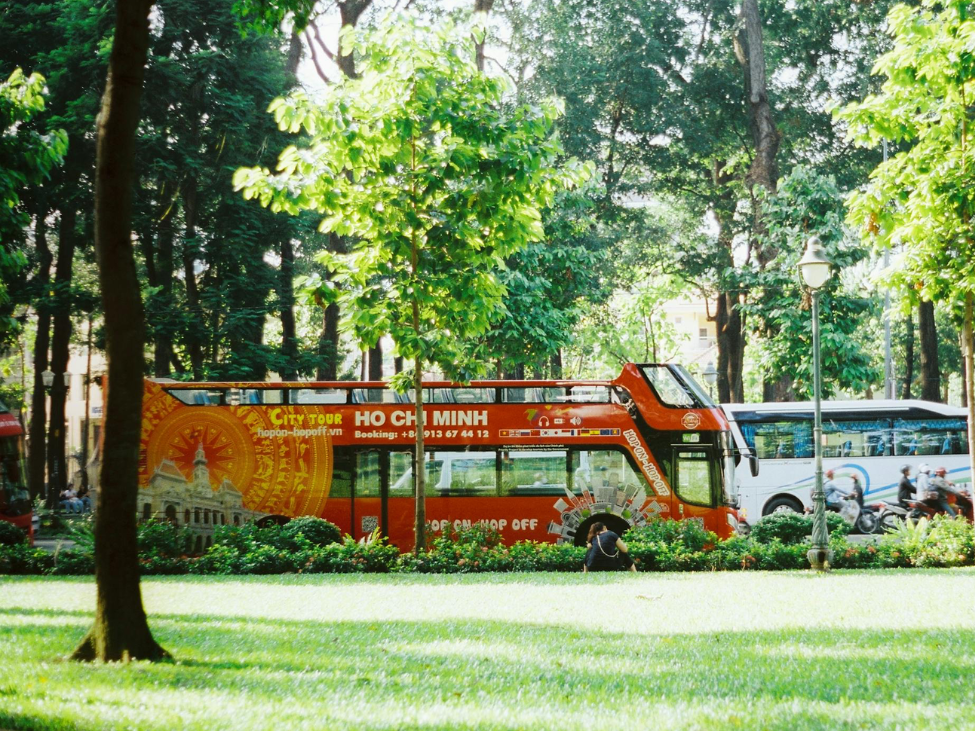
401,475
463,473
589,394
693,477
367,474
257,396
318,396
603,473
533,473
546,395
342,469
198,396
930,437
474,395
779,439
855,438
669,390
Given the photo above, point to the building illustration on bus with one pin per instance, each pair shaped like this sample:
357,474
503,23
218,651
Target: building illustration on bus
537,460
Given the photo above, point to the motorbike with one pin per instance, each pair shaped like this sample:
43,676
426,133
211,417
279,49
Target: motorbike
890,513
863,518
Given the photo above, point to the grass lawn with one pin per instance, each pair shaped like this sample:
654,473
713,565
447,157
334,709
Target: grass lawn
852,650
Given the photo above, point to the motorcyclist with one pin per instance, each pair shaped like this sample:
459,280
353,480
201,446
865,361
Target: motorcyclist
834,495
905,488
921,483
940,485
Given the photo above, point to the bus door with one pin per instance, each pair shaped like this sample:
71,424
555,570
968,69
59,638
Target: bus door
694,478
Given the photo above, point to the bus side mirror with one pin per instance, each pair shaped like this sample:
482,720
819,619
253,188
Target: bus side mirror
753,464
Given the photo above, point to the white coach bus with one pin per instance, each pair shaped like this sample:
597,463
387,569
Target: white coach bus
870,439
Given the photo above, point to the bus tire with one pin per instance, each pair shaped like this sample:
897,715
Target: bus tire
782,504
614,522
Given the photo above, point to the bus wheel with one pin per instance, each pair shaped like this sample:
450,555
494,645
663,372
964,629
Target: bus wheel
613,522
782,505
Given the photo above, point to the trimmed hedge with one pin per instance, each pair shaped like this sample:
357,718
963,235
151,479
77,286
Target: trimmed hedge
777,542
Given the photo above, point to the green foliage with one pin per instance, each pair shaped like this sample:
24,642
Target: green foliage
779,310
948,542
316,531
20,559
435,181
11,535
350,556
793,528
923,197
27,157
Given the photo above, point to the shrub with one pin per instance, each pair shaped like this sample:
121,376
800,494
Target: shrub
270,560
351,557
72,562
160,538
691,534
948,543
219,559
794,528
316,531
848,555
21,559
11,535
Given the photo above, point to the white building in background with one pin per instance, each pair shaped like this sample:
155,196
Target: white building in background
74,413
697,336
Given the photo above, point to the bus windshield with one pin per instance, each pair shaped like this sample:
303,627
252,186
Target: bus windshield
14,497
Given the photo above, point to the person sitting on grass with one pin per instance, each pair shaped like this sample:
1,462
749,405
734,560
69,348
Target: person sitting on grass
606,551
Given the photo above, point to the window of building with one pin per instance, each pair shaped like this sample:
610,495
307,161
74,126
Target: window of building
196,515
146,511
186,516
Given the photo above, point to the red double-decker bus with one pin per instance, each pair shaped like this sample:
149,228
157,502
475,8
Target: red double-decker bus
538,460
15,505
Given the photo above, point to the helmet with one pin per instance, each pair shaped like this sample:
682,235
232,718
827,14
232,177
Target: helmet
924,469
905,468
941,472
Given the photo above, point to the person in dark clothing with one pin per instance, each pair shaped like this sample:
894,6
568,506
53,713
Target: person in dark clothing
606,551
905,488
857,491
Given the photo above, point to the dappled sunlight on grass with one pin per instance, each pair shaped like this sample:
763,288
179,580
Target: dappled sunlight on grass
770,651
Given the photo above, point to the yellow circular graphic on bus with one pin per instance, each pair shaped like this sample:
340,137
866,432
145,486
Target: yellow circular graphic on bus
236,449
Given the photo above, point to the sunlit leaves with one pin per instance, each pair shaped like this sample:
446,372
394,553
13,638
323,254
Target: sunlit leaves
418,151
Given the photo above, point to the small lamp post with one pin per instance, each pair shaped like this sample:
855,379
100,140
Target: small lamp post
815,270
710,377
47,378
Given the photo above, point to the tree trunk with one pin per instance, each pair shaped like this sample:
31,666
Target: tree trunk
163,354
556,364
286,296
190,251
908,357
731,346
328,346
481,6
349,13
930,372
121,630
750,51
37,456
60,342
398,364
964,381
968,353
376,362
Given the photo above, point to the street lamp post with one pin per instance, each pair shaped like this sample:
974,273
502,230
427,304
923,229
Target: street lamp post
815,270
710,377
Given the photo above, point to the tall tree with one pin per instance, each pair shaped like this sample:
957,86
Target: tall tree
121,630
930,370
443,182
924,196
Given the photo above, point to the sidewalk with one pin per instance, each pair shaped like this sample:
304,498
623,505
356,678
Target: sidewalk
51,544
